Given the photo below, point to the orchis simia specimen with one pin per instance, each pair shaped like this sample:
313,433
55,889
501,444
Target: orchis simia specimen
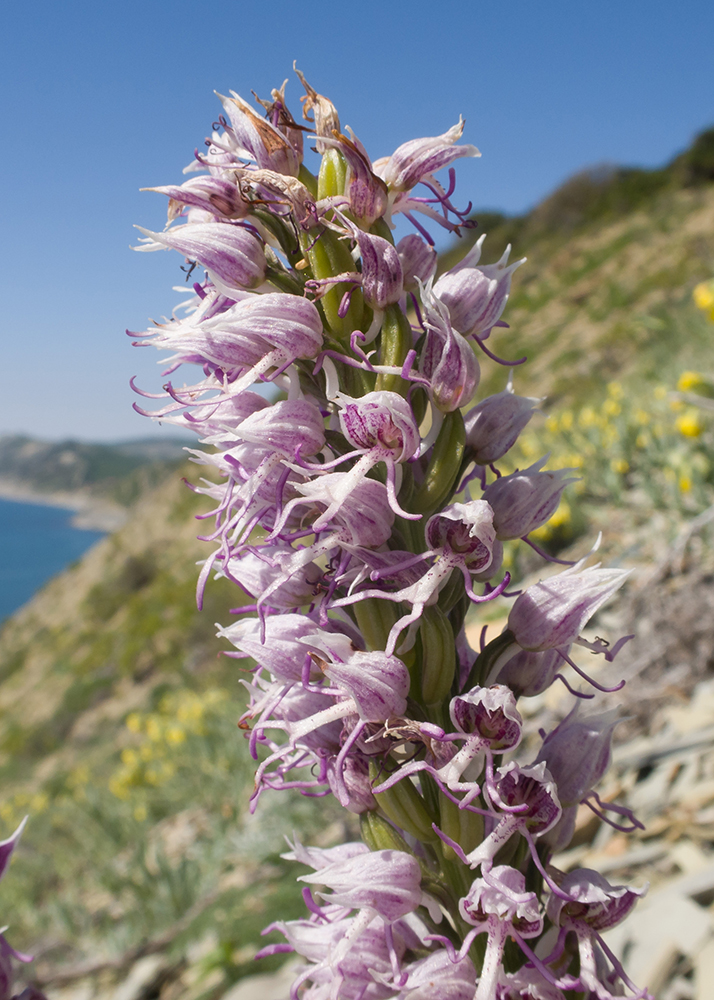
364,515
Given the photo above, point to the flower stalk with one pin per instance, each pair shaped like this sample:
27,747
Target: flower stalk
363,511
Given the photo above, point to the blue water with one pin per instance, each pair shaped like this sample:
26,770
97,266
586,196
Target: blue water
36,542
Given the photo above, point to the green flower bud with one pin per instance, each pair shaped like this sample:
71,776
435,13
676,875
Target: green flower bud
396,342
465,827
443,467
438,661
332,176
491,659
379,835
328,255
404,806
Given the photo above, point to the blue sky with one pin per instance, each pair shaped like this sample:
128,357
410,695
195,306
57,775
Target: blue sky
101,99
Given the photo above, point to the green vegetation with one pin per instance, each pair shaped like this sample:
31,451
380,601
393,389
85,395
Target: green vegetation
118,736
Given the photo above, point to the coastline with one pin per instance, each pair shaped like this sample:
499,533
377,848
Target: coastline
90,513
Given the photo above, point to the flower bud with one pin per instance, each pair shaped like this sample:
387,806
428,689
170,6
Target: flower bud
216,423
286,322
381,270
365,518
450,364
446,359
476,296
524,500
282,653
420,158
404,806
378,683
528,674
554,612
321,857
254,573
418,261
366,192
232,255
493,425
444,465
353,779
438,659
216,195
285,426
577,753
440,976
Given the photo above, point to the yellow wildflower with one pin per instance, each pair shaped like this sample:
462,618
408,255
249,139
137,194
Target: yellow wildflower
685,484
153,728
175,735
690,380
689,424
620,465
133,722
612,408
704,295
119,789
587,417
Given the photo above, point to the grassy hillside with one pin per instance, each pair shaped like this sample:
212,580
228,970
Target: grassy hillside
117,472
118,736
613,256
117,713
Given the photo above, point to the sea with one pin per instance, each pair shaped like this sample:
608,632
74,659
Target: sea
36,543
